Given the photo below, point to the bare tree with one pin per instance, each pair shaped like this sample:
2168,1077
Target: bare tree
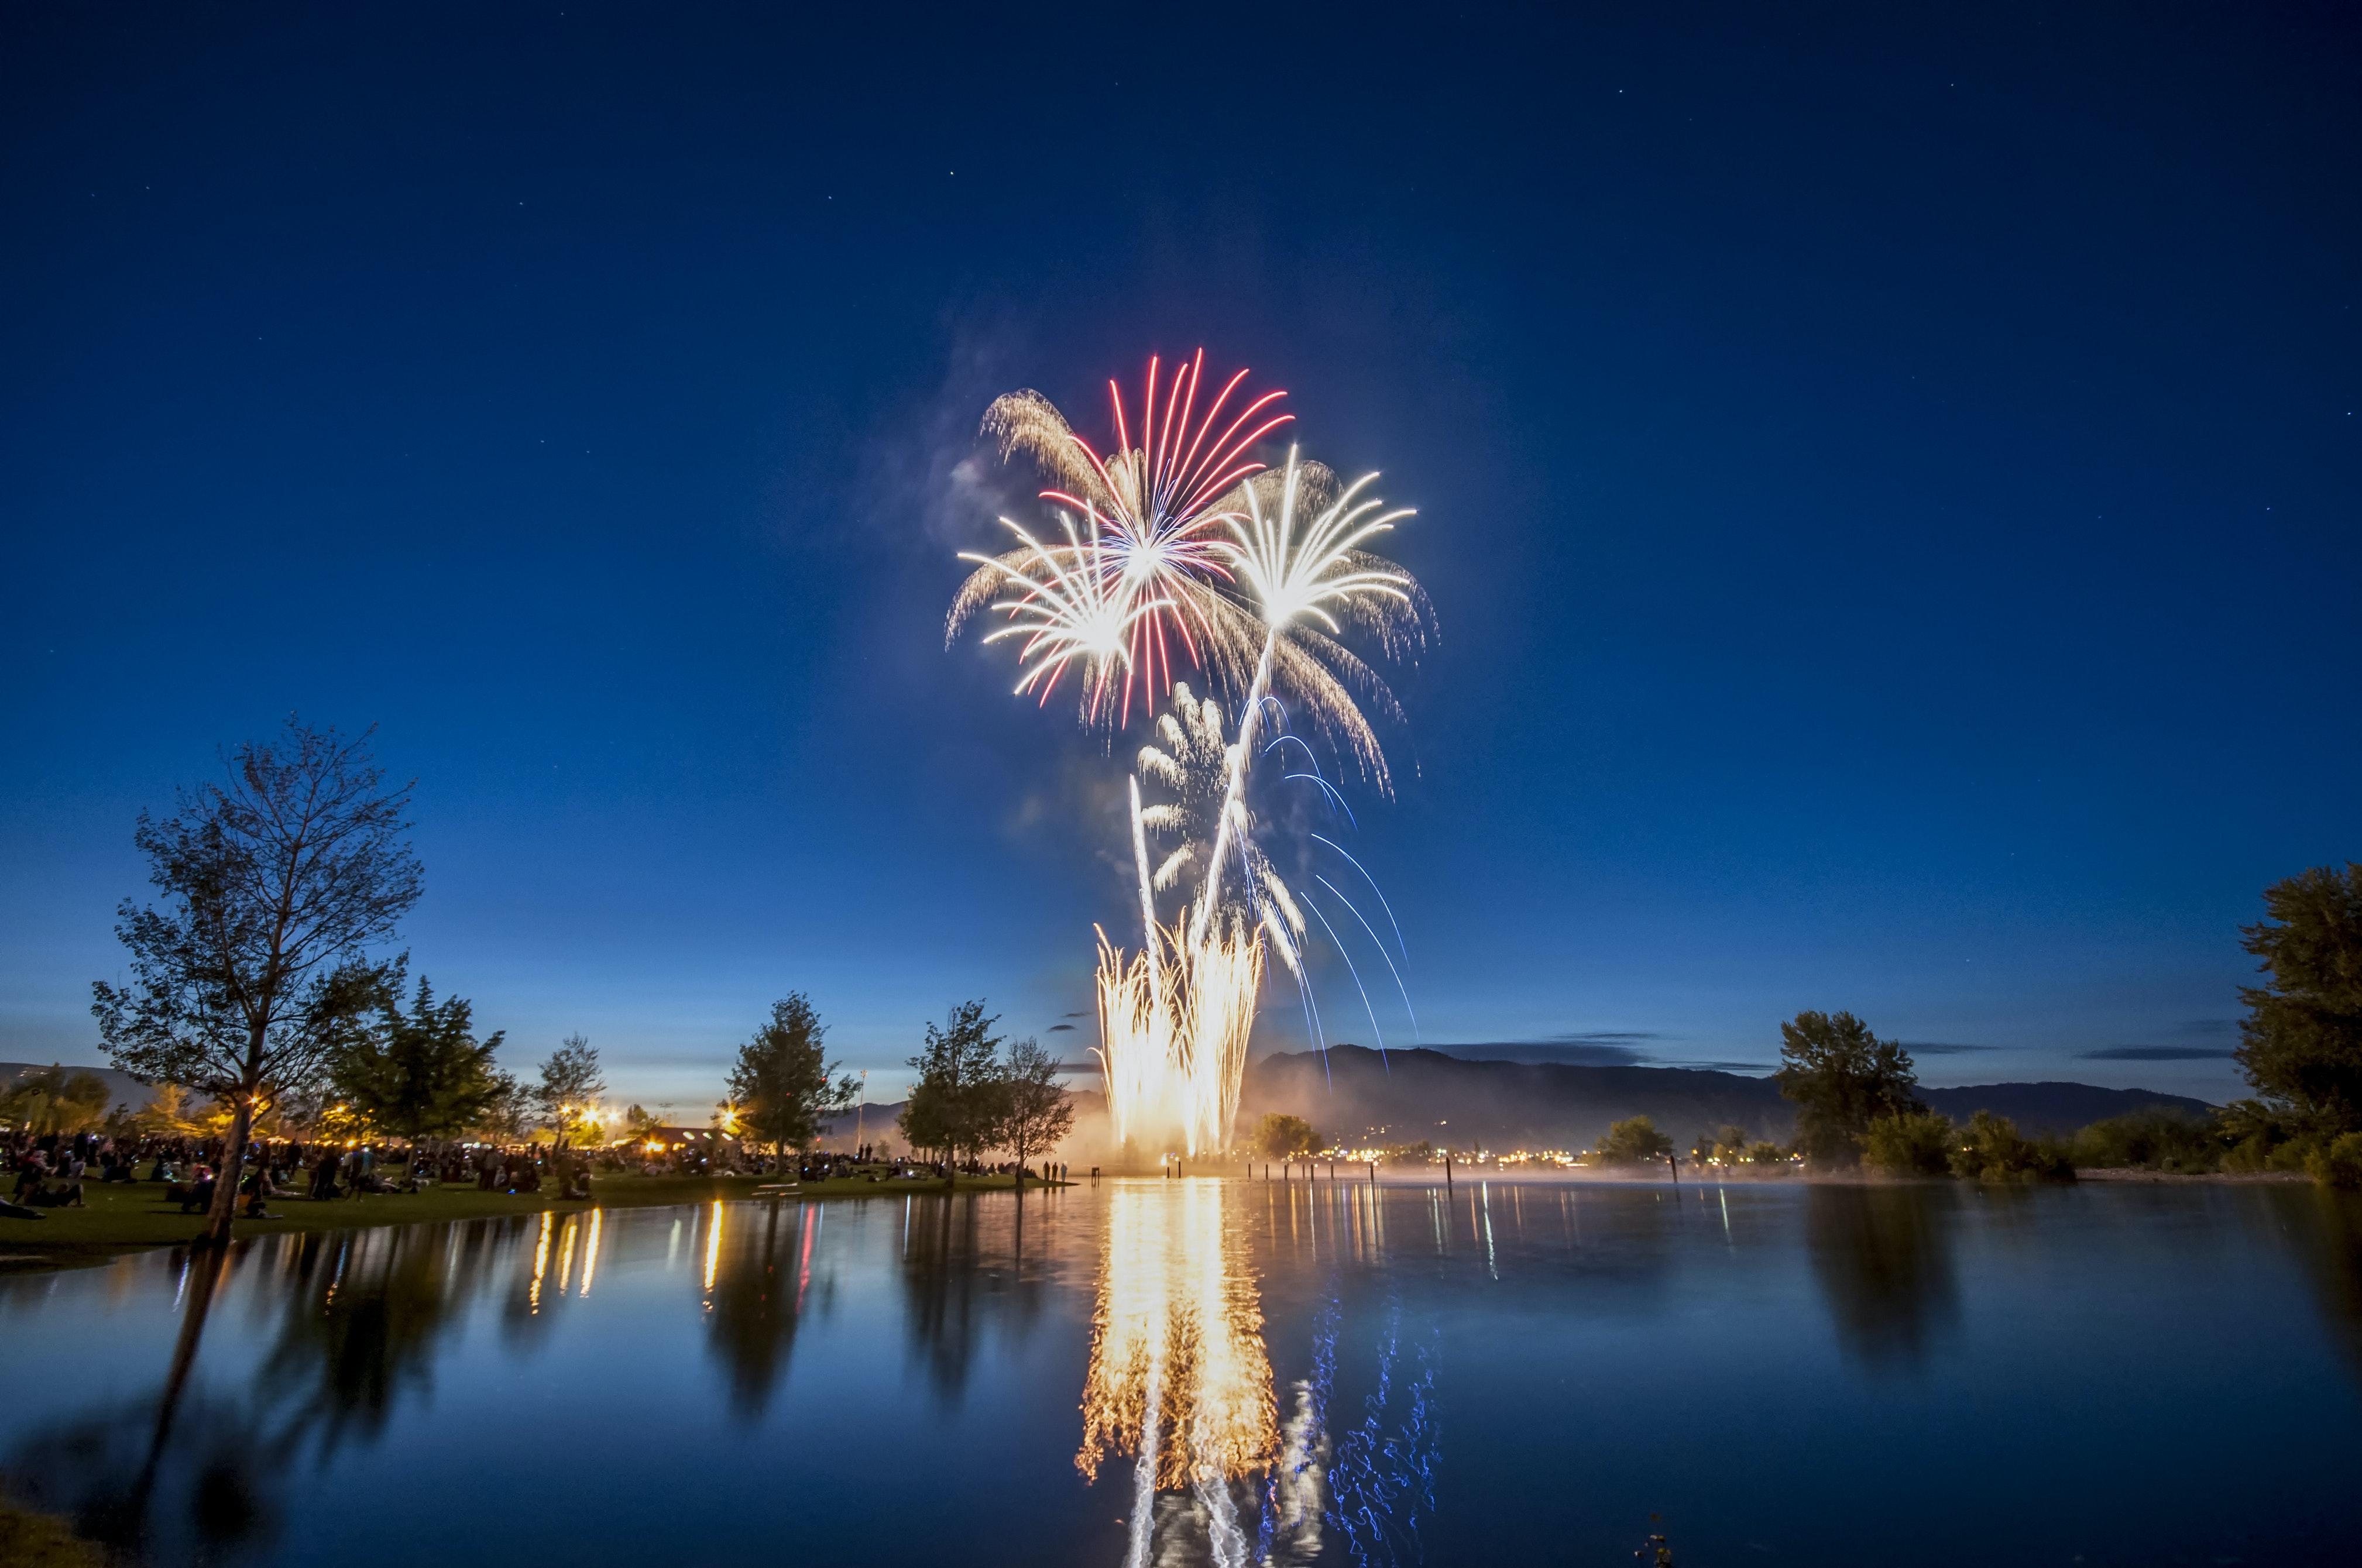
256,968
571,1083
1036,1112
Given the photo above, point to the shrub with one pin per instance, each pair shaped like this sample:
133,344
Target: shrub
2339,1163
1991,1149
1766,1154
1912,1144
2156,1137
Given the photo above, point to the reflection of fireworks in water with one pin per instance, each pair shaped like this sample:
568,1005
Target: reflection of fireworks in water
1181,1384
1382,1483
1179,1380
1255,574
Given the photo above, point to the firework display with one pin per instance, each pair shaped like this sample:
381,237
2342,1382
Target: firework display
1179,547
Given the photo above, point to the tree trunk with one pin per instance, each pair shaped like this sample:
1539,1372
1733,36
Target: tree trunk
227,1181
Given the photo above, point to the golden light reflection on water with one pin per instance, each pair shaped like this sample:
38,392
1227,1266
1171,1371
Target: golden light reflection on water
1179,1379
540,1263
712,1253
566,1255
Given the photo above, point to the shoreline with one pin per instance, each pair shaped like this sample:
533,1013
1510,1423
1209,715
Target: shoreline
131,1217
2224,1177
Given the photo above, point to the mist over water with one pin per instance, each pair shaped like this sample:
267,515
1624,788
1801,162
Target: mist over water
1204,1371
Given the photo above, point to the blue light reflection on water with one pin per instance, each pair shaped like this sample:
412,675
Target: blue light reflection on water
1493,1372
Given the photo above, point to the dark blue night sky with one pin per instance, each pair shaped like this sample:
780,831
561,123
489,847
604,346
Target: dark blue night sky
1889,486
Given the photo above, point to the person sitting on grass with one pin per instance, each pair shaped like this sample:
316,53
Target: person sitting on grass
198,1196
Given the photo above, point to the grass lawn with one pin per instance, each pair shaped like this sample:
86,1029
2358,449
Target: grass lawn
128,1216
29,1540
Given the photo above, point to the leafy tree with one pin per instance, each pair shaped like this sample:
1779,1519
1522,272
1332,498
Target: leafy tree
1285,1138
1916,1143
953,1105
255,970
1991,1149
509,1112
783,1085
1035,1110
421,1074
1726,1142
1841,1078
1633,1141
55,1101
568,1095
2302,1040
1766,1154
169,1112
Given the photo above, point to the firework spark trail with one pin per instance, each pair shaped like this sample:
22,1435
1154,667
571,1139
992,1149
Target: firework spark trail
1374,888
1298,577
1353,972
1068,610
1155,512
1376,941
1178,535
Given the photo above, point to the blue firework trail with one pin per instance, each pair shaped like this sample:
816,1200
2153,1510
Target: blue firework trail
1381,945
1356,974
1374,888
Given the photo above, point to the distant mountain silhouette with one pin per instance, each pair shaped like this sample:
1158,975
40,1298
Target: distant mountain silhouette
2050,1109
1406,1096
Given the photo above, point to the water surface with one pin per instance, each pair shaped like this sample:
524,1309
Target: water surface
1205,1371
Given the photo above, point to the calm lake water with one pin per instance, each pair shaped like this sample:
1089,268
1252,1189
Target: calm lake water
1503,1374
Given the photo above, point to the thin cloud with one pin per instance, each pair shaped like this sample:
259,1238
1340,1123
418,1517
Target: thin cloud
1055,1027
1944,1047
2156,1053
1560,1050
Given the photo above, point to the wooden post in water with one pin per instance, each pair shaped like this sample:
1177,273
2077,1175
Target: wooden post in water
1447,1168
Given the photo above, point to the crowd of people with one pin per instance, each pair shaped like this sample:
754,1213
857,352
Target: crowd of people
51,1169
